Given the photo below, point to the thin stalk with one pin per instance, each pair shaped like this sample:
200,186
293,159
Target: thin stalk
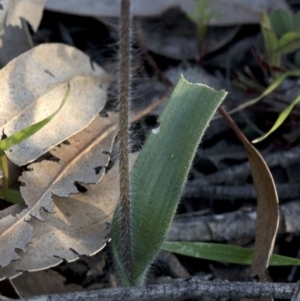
124,97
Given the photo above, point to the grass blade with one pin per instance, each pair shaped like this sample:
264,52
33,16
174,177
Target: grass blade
25,133
281,118
276,83
223,253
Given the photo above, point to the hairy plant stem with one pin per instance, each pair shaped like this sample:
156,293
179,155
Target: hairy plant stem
124,102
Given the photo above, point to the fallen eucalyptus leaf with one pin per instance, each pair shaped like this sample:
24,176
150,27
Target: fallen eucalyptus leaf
81,159
267,205
80,225
15,233
42,283
32,86
14,10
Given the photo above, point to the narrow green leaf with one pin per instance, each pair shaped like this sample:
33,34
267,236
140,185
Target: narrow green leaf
223,253
11,196
276,83
289,42
281,22
5,171
160,173
25,133
282,117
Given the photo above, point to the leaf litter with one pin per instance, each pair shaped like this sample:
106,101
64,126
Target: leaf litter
32,87
13,11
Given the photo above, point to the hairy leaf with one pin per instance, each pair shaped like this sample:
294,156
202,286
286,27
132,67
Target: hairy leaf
160,173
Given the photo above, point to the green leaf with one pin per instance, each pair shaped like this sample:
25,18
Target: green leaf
160,172
276,83
11,196
289,42
223,253
5,170
270,38
296,22
297,58
25,133
282,117
281,22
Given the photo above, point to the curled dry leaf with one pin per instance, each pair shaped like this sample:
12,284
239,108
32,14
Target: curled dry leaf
231,12
32,88
13,10
80,225
267,206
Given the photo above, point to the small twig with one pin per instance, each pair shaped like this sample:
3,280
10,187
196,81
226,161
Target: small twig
296,295
160,75
282,158
184,289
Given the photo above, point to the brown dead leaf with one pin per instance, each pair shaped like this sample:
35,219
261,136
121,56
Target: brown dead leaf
175,39
81,159
15,233
76,222
231,12
13,11
80,225
267,206
15,42
32,88
42,283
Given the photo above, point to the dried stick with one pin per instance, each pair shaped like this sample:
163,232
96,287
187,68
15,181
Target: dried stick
183,289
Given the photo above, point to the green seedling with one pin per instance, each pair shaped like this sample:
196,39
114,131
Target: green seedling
202,15
281,34
18,137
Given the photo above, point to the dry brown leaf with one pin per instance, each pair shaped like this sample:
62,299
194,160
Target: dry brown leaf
87,151
32,88
231,12
81,160
76,222
267,205
15,42
267,212
80,225
15,233
13,10
42,283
